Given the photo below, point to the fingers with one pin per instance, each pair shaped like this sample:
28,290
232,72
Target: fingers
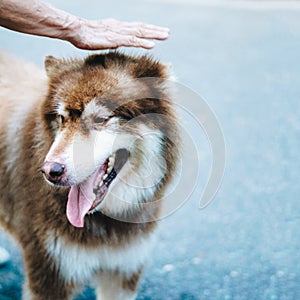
117,23
132,41
116,40
145,33
139,30
111,34
147,30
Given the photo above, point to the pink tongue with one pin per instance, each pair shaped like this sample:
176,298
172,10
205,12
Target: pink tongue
79,203
81,198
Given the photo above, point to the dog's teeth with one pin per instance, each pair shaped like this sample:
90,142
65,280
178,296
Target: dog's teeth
111,161
104,176
109,169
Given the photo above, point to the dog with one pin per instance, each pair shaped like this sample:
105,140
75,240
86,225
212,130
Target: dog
88,148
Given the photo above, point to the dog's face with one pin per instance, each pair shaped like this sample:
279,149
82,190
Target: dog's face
113,132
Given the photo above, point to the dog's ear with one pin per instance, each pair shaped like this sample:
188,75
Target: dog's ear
55,67
52,65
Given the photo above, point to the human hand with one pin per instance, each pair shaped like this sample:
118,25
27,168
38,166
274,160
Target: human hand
111,33
39,18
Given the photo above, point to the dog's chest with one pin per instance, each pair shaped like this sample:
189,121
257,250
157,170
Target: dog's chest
77,263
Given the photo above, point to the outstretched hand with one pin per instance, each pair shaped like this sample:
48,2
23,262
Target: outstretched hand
38,18
111,33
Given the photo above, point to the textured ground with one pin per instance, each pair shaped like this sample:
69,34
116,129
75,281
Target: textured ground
244,60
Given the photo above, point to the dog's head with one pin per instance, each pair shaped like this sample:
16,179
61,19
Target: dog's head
113,132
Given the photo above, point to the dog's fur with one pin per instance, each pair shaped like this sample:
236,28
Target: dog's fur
77,116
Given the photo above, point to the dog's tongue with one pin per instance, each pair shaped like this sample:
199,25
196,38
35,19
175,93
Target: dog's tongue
81,198
79,203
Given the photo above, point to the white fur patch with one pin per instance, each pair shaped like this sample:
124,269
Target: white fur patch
79,264
94,108
138,179
82,155
61,110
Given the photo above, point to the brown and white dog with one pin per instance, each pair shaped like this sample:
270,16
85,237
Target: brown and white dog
86,154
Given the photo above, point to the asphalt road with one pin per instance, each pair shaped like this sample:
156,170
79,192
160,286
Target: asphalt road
244,60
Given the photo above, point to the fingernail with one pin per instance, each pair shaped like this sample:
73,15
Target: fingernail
165,34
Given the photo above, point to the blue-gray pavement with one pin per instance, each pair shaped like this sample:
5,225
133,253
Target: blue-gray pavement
246,63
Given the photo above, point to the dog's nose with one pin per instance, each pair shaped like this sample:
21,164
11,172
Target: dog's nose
53,171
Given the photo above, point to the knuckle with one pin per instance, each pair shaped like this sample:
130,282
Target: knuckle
111,21
140,32
133,40
140,24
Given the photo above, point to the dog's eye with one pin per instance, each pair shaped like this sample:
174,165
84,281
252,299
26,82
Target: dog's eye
100,120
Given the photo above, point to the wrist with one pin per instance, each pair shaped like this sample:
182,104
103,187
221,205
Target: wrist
54,23
58,23
68,28
72,30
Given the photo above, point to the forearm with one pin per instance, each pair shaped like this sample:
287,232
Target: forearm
38,18
34,17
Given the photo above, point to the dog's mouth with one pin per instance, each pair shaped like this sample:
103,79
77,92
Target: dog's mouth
84,198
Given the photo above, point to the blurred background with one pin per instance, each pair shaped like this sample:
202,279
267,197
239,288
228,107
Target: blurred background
243,58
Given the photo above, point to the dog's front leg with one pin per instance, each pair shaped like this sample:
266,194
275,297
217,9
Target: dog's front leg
117,286
43,282
48,292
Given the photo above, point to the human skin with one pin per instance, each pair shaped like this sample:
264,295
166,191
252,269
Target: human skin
38,18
